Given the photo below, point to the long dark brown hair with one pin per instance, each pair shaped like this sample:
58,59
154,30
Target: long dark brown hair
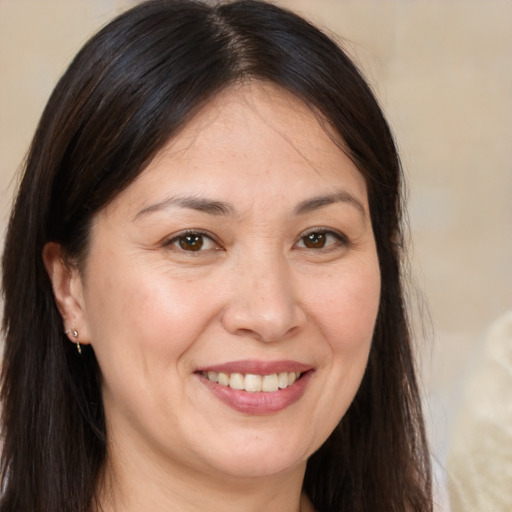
133,86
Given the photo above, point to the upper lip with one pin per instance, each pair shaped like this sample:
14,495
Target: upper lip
256,367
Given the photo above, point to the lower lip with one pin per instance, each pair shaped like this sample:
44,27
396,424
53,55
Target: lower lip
259,403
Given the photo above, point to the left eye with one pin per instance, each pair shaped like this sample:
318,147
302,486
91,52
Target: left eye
319,240
193,242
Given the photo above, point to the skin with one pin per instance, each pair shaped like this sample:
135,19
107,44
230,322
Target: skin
155,311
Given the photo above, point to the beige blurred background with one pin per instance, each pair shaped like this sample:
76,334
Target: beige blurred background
442,70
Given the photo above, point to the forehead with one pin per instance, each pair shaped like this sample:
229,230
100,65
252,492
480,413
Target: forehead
246,106
250,139
238,110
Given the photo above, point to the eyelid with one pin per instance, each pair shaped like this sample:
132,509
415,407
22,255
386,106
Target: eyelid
341,237
173,239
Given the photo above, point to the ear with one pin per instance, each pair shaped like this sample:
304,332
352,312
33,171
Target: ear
68,291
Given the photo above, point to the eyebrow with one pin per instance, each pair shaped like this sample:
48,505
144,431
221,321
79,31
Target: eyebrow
209,206
325,200
214,207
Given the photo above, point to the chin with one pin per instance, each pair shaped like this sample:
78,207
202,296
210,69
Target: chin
259,458
261,466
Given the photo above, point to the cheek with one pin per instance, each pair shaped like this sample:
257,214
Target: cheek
346,308
142,315
143,326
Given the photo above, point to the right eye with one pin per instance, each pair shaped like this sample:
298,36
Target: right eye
193,241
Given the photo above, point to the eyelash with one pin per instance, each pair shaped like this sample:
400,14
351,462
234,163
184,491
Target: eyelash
175,240
341,240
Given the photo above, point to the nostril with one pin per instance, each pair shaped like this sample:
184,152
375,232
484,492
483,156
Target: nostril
264,307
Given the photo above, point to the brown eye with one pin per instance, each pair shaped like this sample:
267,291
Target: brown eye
320,239
315,240
191,242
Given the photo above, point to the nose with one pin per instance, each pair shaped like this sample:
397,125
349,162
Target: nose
263,302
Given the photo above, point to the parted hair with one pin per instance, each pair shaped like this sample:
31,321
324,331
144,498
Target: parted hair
131,88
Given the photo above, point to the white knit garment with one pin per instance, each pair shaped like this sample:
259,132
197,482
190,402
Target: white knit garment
479,466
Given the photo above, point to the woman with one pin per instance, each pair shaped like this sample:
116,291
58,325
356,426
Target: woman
210,213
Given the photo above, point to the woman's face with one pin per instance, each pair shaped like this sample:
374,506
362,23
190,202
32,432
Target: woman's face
230,292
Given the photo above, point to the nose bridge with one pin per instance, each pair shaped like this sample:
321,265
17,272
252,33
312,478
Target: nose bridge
263,303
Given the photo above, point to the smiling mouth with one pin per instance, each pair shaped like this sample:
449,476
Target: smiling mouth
253,383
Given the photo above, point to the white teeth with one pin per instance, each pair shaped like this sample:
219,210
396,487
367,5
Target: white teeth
270,383
253,383
213,376
222,378
283,380
236,381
